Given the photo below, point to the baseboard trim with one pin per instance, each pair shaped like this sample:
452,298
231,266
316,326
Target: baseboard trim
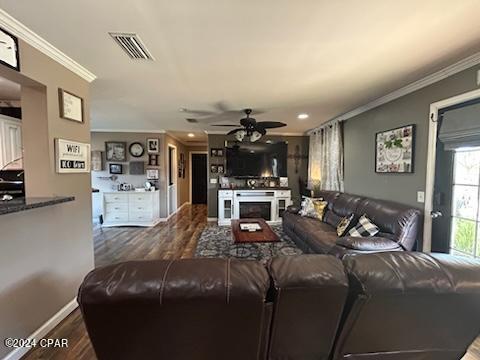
43,330
212,219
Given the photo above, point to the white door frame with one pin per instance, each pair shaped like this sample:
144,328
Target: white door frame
190,171
431,157
175,175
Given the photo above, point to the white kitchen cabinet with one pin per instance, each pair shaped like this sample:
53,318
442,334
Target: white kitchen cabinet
10,143
131,208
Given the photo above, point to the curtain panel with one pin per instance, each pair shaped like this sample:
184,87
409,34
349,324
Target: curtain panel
325,163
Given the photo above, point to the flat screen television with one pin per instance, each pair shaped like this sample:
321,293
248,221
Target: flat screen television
259,159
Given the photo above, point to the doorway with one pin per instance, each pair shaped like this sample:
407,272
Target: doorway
198,177
452,206
172,179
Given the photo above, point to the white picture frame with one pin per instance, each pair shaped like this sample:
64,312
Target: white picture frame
72,157
152,174
153,146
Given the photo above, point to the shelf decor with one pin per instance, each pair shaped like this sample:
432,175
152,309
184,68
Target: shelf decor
394,150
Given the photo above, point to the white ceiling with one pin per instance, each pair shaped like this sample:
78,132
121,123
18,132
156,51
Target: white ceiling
321,57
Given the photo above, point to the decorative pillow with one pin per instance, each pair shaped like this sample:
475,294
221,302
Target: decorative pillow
364,228
344,224
314,208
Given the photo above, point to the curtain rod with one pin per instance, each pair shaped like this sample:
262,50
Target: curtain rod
324,125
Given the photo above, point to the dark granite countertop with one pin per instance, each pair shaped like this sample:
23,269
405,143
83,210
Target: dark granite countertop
22,204
257,188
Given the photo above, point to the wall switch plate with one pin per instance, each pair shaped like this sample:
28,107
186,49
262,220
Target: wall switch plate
421,196
213,181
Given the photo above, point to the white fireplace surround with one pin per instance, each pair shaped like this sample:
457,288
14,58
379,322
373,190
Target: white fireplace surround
229,203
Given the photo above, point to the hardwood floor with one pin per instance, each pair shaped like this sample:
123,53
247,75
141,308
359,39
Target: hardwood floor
176,238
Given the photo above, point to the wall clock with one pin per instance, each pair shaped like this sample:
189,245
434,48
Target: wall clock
9,50
136,149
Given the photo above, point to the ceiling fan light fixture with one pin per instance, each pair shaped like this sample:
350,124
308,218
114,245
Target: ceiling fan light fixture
255,136
191,135
239,135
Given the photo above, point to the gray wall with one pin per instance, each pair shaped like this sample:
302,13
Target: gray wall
44,253
359,139
218,141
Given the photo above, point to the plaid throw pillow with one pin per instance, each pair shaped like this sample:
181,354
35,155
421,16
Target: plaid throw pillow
364,228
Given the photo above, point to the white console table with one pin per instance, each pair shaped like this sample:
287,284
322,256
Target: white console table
231,203
131,208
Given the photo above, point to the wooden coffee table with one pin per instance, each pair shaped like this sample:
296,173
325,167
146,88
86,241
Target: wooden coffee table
264,235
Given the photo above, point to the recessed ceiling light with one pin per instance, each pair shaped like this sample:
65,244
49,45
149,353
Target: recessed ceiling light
191,135
302,116
182,109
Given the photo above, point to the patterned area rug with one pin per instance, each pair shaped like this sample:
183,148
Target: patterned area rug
216,241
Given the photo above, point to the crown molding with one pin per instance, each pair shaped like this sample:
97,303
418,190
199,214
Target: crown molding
129,131
437,76
15,27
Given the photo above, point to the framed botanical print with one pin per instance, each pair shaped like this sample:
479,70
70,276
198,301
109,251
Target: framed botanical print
394,150
116,151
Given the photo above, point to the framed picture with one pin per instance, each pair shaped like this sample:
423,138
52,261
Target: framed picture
137,168
71,106
394,150
220,152
213,152
220,169
116,151
217,152
72,156
97,160
153,146
152,174
152,160
9,54
213,169
116,168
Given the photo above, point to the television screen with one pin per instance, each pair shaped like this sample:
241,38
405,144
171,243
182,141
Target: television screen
257,159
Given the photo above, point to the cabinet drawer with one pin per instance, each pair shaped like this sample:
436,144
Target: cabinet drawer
140,206
285,193
140,216
114,207
116,198
225,193
116,216
144,198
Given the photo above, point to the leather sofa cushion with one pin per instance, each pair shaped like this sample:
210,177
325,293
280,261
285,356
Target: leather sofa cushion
319,236
371,243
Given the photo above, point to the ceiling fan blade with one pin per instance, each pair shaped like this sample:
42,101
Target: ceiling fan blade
198,112
224,125
270,124
233,131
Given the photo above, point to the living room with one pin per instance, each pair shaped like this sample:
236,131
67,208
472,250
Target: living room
235,180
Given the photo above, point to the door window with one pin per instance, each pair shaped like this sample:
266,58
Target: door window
465,237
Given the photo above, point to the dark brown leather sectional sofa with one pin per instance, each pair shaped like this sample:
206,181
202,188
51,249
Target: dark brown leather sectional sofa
399,226
384,306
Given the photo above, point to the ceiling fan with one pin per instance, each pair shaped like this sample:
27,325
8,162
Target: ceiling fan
252,129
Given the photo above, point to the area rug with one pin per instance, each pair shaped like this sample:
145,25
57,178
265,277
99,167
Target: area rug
216,241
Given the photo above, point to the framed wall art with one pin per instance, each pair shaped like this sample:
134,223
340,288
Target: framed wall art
153,146
9,50
152,160
116,151
152,174
97,160
72,156
394,150
71,106
116,168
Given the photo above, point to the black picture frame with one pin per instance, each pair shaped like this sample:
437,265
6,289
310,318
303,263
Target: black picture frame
152,160
220,169
116,169
411,169
213,169
116,151
17,51
61,107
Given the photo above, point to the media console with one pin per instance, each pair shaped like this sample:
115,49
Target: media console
265,203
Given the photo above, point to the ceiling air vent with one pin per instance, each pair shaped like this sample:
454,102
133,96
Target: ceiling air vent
132,45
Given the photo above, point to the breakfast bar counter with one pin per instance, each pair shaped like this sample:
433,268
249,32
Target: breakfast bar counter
22,204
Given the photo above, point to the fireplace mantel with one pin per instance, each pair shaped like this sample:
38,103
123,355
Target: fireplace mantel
231,201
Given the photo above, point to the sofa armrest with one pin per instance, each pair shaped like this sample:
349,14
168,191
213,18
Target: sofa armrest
293,209
372,243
